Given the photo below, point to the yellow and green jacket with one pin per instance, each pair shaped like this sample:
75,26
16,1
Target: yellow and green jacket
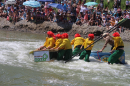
77,41
49,42
117,42
88,42
58,42
66,44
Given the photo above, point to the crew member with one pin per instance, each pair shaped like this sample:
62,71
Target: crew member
57,44
50,43
77,41
118,47
67,51
108,40
88,45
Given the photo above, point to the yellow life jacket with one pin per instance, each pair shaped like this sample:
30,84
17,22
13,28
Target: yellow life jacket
49,42
117,42
77,41
58,42
66,44
87,43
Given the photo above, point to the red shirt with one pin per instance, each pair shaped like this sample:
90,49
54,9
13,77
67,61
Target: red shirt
50,9
86,16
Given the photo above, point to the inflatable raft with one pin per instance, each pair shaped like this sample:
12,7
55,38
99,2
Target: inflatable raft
103,56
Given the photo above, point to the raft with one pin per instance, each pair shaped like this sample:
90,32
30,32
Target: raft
103,56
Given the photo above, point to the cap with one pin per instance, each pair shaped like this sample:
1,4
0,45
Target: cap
77,35
64,35
91,36
58,36
50,33
116,34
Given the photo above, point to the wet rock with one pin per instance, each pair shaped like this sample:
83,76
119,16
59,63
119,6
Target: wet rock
70,28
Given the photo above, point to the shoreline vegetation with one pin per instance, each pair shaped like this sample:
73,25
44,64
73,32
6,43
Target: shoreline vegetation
70,28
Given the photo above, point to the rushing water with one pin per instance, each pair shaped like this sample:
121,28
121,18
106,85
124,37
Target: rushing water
17,67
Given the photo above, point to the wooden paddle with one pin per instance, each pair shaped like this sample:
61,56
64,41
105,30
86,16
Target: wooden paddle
109,31
54,50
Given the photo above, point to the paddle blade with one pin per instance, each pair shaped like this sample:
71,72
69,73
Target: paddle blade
31,52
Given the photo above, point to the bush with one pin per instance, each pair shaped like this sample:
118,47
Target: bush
111,3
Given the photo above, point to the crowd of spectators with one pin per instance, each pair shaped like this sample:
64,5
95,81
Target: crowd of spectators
74,12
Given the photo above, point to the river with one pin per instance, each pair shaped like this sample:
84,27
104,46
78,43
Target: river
17,67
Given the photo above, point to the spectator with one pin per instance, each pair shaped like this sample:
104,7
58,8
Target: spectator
86,17
42,15
50,16
127,15
112,22
54,18
119,11
91,21
82,9
98,21
78,21
103,19
127,4
73,18
77,10
115,7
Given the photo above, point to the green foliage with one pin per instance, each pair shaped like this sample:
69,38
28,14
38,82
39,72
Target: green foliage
111,3
88,0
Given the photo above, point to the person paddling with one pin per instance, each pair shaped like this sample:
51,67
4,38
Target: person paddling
108,40
49,43
118,47
77,41
58,42
86,53
67,51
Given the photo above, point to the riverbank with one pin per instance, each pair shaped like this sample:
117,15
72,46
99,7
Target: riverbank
43,27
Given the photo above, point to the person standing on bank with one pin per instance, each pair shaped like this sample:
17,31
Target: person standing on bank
108,40
87,43
118,47
77,41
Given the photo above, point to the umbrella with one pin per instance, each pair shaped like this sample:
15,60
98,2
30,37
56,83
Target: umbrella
59,6
32,3
45,0
10,2
91,3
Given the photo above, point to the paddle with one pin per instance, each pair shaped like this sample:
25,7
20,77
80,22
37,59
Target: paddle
43,50
109,31
33,51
